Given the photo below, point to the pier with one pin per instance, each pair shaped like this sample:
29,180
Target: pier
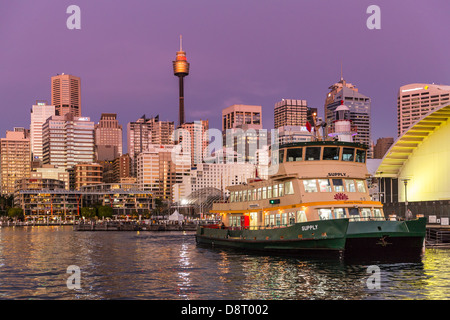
132,226
437,236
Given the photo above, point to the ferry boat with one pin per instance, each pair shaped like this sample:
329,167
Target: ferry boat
317,202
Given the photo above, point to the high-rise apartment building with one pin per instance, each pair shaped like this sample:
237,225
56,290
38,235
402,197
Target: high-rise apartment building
359,105
145,131
40,112
238,115
66,94
15,160
158,169
108,137
243,132
87,174
68,140
194,140
291,112
416,100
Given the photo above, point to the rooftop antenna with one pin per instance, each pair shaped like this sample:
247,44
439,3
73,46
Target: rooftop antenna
181,42
341,72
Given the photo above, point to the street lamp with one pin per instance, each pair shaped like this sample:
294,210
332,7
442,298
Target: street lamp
405,182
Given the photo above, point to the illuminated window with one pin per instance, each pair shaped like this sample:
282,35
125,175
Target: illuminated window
310,185
325,214
350,185
339,213
301,216
360,185
324,185
338,185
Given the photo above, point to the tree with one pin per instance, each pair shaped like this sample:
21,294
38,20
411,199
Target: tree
105,212
88,212
16,213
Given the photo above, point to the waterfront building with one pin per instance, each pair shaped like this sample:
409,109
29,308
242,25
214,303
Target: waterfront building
359,104
68,140
159,168
66,94
87,174
124,198
40,112
108,137
414,172
65,204
15,160
416,100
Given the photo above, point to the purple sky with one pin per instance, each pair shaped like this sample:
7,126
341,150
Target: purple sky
245,51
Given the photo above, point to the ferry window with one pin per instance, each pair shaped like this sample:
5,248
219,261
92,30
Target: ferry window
288,187
278,217
348,154
240,196
280,190
312,153
269,192
350,185
284,219
330,153
324,185
310,185
301,216
360,185
272,220
338,185
275,191
291,217
259,194
244,195
294,154
354,214
254,194
267,220
360,155
365,213
232,197
325,214
281,157
377,213
264,192
339,213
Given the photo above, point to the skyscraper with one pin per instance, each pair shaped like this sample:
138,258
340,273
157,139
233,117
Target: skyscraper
68,140
416,100
15,158
66,94
181,70
195,140
243,132
145,131
359,105
291,112
108,137
40,112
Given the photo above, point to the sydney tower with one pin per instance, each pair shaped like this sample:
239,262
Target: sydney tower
181,69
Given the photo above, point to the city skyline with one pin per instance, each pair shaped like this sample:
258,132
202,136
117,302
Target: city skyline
267,52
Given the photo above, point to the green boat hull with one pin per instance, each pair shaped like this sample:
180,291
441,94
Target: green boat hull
381,239
385,239
326,236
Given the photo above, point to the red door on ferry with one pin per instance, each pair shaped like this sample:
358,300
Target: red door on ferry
245,221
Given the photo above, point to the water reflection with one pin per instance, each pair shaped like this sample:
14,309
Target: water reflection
152,265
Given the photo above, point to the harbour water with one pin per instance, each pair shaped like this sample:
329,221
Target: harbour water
34,264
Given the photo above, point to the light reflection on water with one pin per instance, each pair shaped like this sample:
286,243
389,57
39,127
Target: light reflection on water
169,265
